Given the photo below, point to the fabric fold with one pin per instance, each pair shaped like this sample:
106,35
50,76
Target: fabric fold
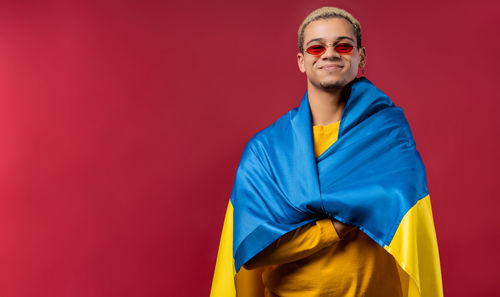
371,177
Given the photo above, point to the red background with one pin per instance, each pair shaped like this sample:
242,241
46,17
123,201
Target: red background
122,124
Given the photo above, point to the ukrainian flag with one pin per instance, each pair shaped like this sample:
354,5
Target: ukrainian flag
372,177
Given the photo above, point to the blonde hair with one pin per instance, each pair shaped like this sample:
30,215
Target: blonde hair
326,13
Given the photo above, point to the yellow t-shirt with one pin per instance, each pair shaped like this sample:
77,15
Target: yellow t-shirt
313,261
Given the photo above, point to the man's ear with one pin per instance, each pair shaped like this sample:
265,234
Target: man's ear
362,60
300,62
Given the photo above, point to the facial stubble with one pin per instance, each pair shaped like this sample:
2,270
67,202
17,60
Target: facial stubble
333,85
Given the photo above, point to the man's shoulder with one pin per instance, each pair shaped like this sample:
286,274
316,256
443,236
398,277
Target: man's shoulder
276,131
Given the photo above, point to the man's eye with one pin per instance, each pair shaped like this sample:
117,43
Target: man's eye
343,48
315,49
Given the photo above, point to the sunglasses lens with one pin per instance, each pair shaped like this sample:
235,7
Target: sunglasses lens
315,50
343,48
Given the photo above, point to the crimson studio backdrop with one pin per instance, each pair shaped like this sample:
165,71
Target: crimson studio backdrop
122,124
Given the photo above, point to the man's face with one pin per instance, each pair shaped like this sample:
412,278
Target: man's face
331,70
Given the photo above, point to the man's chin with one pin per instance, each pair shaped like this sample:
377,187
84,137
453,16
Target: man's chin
333,85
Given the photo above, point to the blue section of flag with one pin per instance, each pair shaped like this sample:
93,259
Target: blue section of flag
370,177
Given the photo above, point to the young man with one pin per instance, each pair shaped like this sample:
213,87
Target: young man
327,200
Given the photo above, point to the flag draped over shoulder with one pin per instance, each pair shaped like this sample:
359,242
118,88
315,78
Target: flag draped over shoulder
372,177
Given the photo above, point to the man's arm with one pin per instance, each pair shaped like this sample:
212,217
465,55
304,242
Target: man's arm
300,243
248,283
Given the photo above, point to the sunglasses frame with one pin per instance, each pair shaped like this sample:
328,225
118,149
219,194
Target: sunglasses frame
334,47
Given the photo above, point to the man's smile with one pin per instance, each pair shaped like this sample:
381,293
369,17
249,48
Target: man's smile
330,67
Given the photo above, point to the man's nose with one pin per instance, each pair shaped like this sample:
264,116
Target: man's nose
330,53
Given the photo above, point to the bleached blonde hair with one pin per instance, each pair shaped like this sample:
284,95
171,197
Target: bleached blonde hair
326,13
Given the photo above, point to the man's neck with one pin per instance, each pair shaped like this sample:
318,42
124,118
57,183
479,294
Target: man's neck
326,105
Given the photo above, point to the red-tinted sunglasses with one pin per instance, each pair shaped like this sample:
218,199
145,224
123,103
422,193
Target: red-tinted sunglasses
341,48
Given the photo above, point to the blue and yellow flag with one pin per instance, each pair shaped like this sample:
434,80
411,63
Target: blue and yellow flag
372,177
